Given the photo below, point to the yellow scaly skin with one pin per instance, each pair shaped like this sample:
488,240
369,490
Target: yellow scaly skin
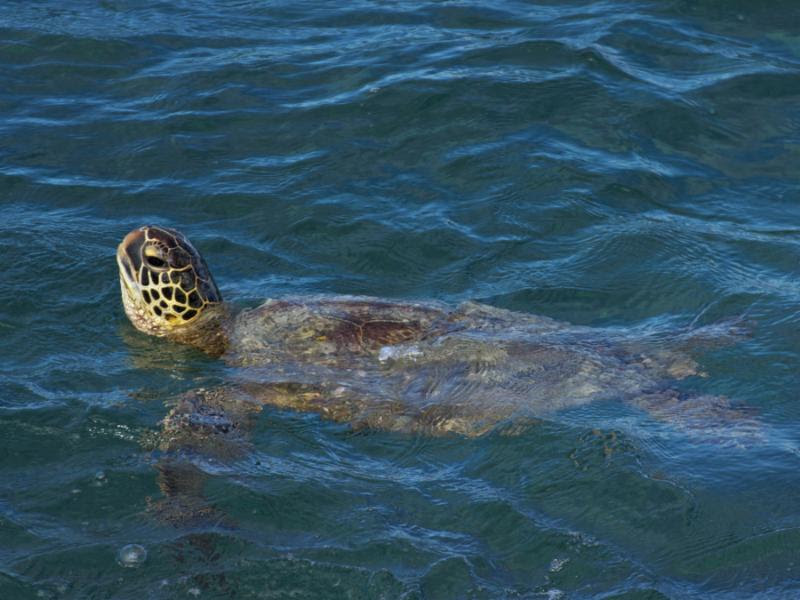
168,291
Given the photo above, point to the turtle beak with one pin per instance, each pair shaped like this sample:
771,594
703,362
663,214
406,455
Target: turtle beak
129,254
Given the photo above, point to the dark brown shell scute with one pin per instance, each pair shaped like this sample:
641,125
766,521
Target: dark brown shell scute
370,335
367,326
387,333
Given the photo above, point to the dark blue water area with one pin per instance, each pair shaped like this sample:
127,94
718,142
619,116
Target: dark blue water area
621,165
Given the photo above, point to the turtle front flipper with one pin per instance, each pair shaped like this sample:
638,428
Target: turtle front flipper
203,425
214,424
183,503
364,410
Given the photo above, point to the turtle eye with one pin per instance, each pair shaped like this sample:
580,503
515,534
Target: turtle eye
156,262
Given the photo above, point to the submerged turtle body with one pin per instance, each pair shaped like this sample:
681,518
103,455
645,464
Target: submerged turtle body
425,367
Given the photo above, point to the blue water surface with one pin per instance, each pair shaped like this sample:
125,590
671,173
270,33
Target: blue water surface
608,163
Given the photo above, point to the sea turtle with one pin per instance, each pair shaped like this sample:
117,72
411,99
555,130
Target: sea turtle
404,366
393,365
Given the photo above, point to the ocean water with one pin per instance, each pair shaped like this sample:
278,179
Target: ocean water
607,163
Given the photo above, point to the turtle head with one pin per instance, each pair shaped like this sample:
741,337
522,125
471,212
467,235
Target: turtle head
166,286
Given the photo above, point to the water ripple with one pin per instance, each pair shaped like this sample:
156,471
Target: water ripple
621,164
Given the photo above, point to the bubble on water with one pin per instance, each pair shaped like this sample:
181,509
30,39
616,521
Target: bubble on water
194,591
557,564
100,479
132,555
554,594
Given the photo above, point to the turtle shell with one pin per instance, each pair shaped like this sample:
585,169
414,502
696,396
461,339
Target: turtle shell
333,331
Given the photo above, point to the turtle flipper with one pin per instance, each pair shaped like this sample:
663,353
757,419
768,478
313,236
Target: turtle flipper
714,335
183,503
670,354
201,425
705,416
365,411
434,420
214,424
